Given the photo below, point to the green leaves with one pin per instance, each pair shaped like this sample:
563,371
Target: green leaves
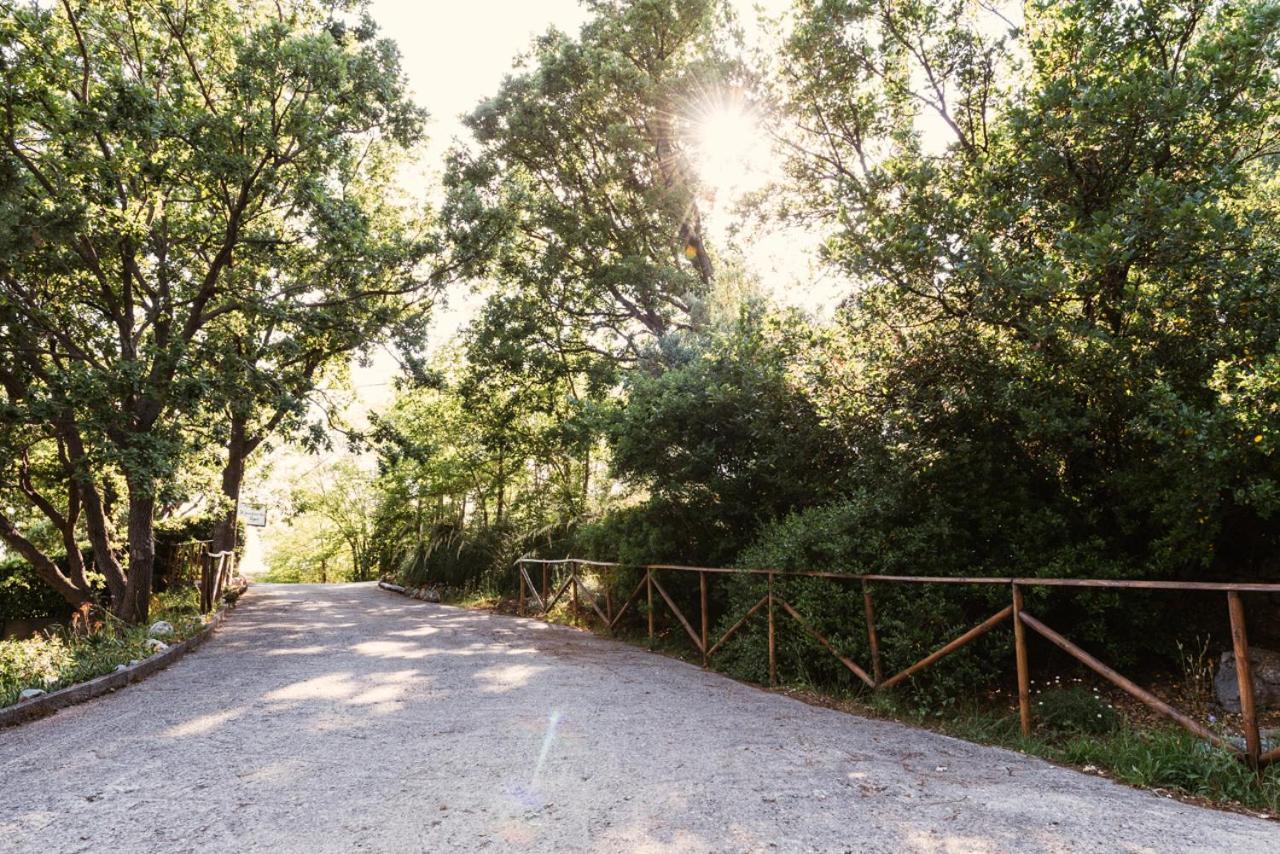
1049,292
199,222
578,190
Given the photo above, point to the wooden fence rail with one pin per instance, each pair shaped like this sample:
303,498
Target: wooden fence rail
216,569
875,679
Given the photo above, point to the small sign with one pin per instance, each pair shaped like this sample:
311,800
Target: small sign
255,517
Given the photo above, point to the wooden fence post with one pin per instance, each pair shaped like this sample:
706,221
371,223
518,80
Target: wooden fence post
546,582
648,583
872,639
520,581
773,662
1020,652
1244,676
702,588
574,583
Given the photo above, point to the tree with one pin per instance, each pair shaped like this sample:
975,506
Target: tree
171,161
723,441
579,194
1067,313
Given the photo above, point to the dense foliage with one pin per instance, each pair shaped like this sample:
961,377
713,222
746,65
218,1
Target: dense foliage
1055,355
195,217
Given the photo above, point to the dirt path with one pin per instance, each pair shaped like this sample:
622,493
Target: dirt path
346,718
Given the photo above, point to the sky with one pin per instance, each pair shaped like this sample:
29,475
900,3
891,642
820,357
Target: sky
454,55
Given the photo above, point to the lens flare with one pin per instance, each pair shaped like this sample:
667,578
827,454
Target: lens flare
729,150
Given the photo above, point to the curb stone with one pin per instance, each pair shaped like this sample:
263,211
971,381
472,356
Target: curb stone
40,707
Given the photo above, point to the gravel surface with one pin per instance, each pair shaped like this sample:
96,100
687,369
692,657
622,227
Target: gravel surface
340,718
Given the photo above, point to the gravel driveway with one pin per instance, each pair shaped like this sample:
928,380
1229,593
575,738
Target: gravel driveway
339,718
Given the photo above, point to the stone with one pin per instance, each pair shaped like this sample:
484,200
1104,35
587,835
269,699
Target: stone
31,693
1265,666
431,595
154,645
160,629
1269,740
120,668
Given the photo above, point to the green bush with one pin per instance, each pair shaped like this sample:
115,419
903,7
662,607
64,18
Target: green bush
865,534
1073,711
60,657
475,559
172,533
23,596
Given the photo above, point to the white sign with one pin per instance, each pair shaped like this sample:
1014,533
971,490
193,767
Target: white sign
254,516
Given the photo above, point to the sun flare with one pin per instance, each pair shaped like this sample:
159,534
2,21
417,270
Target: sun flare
730,151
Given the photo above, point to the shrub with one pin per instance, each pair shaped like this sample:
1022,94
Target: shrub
172,533
23,596
60,657
1074,711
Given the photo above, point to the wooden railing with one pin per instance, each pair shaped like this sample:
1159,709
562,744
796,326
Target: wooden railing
215,575
548,595
186,560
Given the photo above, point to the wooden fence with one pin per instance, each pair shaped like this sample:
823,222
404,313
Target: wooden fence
547,595
210,572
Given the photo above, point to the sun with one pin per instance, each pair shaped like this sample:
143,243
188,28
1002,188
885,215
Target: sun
730,150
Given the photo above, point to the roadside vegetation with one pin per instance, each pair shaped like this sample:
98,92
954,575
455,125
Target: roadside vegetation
63,656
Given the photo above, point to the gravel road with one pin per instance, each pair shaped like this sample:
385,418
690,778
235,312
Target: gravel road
345,718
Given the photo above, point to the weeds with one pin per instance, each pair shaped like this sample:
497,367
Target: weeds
1178,761
1197,668
1072,734
60,657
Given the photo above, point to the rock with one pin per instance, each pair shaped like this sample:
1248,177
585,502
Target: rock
134,663
1265,665
154,645
431,595
31,693
160,629
121,668
1269,739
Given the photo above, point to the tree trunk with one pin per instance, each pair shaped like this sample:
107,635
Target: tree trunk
44,567
224,532
136,603
502,488
95,518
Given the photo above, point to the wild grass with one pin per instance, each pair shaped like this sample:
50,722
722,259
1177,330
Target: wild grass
1075,728
60,657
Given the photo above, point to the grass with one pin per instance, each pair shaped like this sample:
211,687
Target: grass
59,657
1162,758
